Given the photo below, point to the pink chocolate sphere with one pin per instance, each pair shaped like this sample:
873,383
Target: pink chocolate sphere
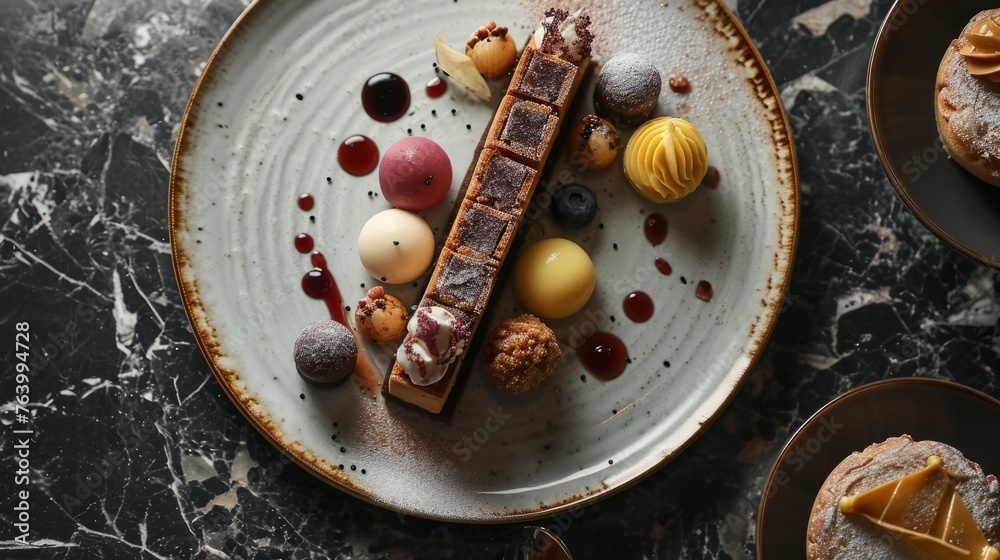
415,174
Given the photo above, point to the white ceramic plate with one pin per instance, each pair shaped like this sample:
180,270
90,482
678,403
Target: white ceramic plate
249,147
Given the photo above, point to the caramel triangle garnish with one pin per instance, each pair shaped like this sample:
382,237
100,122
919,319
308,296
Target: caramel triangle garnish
925,510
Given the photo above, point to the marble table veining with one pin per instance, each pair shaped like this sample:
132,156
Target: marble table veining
137,453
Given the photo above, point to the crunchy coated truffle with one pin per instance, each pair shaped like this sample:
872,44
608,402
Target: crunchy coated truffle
380,317
325,352
521,353
627,90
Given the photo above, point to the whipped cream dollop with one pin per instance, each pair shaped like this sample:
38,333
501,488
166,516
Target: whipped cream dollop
573,40
982,52
434,339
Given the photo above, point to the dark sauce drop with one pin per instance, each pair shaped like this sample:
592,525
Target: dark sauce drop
385,97
679,84
704,290
306,202
436,88
655,228
303,243
663,266
358,155
604,355
318,283
638,306
712,178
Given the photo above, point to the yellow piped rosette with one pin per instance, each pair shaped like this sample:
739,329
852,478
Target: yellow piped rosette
666,159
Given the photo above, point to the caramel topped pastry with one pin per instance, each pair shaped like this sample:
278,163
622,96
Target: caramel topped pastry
925,509
906,500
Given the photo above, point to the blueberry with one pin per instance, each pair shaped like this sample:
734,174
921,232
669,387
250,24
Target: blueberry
574,206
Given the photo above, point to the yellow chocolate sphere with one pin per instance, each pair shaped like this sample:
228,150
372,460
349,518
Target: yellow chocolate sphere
554,278
666,159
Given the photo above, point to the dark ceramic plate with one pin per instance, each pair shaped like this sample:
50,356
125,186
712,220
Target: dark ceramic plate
923,408
952,203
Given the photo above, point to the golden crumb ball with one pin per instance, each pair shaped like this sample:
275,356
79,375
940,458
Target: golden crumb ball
521,353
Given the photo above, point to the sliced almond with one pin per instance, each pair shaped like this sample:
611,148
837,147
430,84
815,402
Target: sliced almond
461,69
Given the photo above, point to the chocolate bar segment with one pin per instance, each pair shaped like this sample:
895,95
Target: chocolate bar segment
481,231
462,281
501,183
524,129
543,77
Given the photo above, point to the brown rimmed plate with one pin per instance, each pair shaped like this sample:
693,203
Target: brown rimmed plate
263,125
951,202
924,408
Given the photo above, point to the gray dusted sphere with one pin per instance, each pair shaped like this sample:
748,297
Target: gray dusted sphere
627,89
325,352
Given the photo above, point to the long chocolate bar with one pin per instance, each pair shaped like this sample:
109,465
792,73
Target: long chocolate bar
505,175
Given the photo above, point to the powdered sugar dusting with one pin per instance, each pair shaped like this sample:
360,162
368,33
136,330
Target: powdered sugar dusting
834,535
628,80
325,349
971,105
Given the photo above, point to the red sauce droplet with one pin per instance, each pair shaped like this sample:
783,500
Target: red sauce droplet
638,306
385,97
679,84
303,242
318,283
712,178
358,155
436,88
663,266
604,355
306,202
704,290
656,228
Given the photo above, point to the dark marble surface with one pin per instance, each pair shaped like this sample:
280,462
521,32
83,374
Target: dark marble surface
136,451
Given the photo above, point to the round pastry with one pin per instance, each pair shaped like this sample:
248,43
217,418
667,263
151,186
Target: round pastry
325,352
491,50
968,97
380,317
627,89
834,534
594,143
666,159
521,353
